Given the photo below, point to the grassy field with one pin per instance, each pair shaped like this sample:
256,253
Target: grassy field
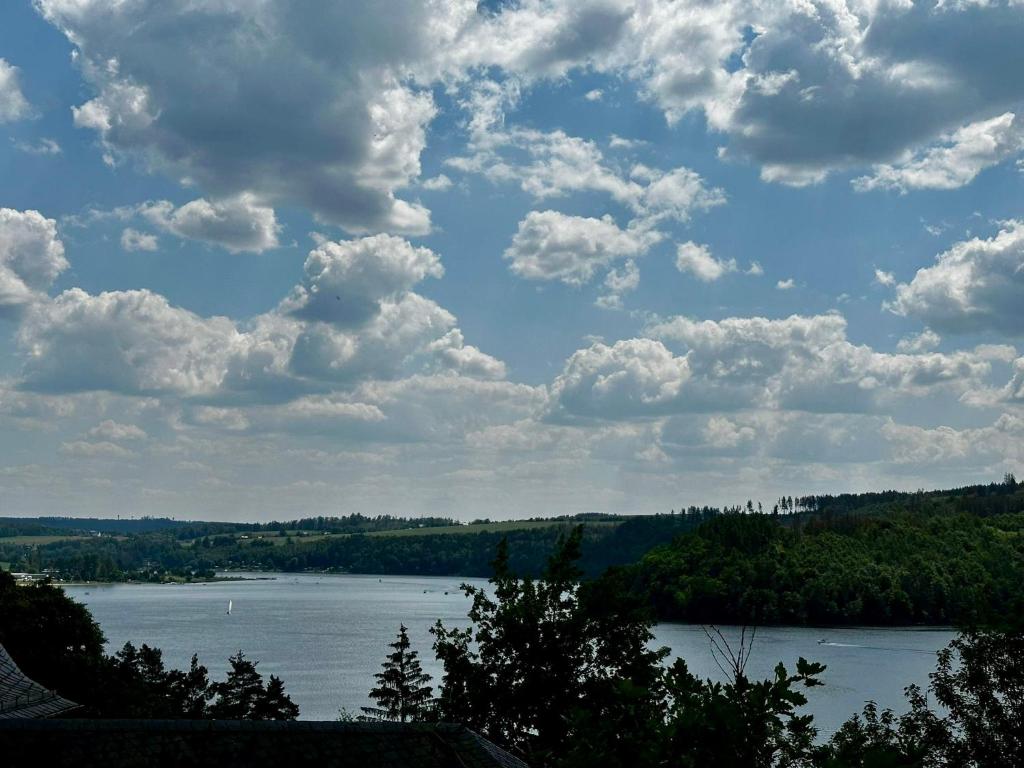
499,527
457,530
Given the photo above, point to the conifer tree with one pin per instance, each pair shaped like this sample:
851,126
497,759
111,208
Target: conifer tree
402,692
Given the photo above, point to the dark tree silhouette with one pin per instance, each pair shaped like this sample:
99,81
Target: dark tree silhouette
402,692
242,696
274,704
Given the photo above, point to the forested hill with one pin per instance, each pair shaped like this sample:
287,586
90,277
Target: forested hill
948,557
936,557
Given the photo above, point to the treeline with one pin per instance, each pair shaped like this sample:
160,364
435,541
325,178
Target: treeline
156,555
929,559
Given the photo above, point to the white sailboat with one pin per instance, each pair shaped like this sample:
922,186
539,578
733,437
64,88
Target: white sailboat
229,608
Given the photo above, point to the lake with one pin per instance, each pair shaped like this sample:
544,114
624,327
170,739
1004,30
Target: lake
326,636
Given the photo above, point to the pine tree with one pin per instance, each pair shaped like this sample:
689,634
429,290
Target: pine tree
401,692
237,695
275,704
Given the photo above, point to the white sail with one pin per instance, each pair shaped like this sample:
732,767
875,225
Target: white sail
229,607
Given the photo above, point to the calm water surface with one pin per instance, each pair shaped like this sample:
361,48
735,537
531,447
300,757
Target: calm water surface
326,636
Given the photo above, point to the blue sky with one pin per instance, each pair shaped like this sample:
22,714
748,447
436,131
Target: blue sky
258,261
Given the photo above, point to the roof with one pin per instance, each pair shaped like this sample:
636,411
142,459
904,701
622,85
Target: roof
21,697
224,743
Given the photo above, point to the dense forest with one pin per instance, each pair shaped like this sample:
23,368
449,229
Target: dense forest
928,558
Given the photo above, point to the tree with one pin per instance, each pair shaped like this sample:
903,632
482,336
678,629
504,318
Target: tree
739,724
242,696
53,639
979,682
402,692
274,704
546,664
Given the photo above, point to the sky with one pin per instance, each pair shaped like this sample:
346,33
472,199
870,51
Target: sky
264,259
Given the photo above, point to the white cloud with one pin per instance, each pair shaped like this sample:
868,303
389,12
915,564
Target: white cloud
778,80
755,269
13,105
133,240
345,282
632,378
554,246
793,364
785,285
44,147
618,282
453,354
697,260
31,258
239,224
437,183
976,285
302,109
594,95
99,450
133,342
958,159
560,164
919,342
113,431
884,278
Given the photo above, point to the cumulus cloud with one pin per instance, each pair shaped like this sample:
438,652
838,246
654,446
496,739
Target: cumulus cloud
31,258
631,378
919,342
113,431
307,109
353,319
792,364
955,162
697,260
560,164
976,285
125,341
555,246
618,282
781,81
43,147
133,240
884,278
239,224
13,104
785,285
437,183
345,282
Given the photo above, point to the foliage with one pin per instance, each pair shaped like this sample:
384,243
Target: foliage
543,657
563,675
52,638
979,684
402,692
916,560
243,695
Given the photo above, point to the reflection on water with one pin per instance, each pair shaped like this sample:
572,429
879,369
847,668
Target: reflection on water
326,636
